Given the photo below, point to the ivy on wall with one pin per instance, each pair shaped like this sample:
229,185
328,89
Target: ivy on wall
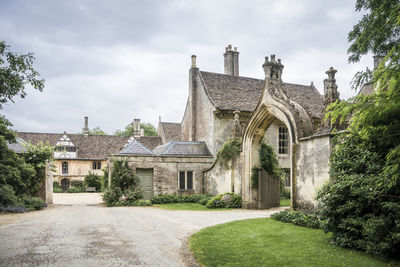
229,152
269,162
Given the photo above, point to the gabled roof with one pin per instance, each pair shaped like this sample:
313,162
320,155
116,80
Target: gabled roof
136,148
228,92
172,131
89,146
188,149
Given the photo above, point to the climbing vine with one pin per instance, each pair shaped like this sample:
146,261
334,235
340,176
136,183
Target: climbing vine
269,162
229,152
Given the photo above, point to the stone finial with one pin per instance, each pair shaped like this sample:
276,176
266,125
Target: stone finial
237,128
330,87
194,61
273,68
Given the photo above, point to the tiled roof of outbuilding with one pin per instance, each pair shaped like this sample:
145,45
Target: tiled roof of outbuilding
136,148
89,146
189,149
229,92
172,131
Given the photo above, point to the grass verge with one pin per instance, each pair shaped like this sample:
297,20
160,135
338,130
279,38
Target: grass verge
285,202
184,206
257,242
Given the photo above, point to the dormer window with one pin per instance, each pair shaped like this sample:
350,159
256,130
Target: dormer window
283,140
65,149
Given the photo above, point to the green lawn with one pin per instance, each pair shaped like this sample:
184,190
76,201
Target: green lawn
268,242
184,206
285,202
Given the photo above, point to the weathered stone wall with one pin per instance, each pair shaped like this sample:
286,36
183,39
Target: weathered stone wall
312,167
204,114
218,180
166,171
77,169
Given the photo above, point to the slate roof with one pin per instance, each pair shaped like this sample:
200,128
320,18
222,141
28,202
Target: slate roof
19,146
172,131
188,149
136,148
89,146
150,142
228,92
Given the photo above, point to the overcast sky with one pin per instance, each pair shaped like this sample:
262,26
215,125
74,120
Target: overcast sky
114,61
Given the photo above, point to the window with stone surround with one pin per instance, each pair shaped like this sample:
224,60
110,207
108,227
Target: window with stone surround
64,167
283,140
185,180
96,165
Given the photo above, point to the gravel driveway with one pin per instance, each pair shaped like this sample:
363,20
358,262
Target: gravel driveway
87,235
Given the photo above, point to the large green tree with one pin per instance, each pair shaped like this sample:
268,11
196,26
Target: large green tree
23,173
361,204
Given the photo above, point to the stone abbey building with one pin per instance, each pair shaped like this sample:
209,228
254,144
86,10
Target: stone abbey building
182,158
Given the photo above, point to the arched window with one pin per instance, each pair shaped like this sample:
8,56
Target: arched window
283,140
64,167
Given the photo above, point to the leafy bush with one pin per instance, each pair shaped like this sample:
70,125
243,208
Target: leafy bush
297,218
269,160
57,190
226,200
174,198
360,209
124,189
111,196
32,203
104,177
74,190
229,152
78,184
142,203
7,196
93,180
205,200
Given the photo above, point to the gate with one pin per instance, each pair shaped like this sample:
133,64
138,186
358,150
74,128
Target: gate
268,190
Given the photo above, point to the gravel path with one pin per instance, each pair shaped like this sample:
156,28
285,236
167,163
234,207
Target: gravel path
87,235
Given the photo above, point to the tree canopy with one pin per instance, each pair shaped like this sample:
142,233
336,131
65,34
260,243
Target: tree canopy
16,71
97,131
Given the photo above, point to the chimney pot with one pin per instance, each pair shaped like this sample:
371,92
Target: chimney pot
86,126
231,61
193,61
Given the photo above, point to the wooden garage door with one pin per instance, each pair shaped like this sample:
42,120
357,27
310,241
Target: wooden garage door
146,182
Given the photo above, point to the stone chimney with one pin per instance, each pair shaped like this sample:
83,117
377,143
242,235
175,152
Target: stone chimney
272,68
377,61
231,61
330,87
194,61
85,129
136,128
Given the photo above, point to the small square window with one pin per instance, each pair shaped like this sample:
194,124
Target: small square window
96,165
185,180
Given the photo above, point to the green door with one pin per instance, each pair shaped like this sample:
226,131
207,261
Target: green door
146,182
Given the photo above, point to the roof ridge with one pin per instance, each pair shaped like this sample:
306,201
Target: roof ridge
234,77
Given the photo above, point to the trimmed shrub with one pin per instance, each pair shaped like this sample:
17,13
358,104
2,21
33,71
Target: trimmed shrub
298,218
226,200
56,184
142,203
111,197
32,203
93,180
174,198
74,190
57,190
78,184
